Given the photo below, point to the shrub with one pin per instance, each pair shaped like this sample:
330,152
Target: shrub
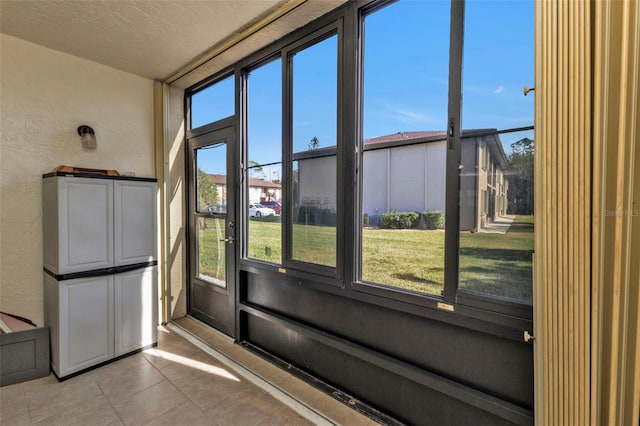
273,218
365,219
399,220
311,215
433,219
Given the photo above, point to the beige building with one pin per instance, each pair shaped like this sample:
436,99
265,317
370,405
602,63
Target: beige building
259,189
406,172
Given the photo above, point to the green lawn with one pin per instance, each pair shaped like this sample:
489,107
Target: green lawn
411,259
265,236
210,248
497,264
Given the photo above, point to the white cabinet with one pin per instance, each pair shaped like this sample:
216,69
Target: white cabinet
79,313
136,237
92,224
101,292
136,315
78,224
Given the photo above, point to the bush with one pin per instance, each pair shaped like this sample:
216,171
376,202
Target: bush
365,219
400,220
310,215
433,219
273,218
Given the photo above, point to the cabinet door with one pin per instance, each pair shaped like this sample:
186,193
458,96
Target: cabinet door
135,222
85,323
136,309
85,209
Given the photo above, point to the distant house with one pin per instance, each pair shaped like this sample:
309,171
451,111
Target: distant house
259,190
406,171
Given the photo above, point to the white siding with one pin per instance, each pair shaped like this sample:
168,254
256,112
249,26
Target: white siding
409,178
317,180
375,175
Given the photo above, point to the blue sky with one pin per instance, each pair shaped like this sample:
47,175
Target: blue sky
406,56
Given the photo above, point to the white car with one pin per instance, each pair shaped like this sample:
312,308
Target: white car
258,210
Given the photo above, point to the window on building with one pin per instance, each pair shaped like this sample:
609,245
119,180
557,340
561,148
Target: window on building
314,128
213,103
263,176
404,145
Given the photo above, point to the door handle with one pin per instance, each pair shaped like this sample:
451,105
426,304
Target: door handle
528,337
229,240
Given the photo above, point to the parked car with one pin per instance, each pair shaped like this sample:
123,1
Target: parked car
275,205
219,208
258,210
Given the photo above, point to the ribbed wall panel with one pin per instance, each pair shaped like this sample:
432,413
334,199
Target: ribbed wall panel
587,269
563,202
616,224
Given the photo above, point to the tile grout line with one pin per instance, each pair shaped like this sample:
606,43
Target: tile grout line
108,401
275,391
178,388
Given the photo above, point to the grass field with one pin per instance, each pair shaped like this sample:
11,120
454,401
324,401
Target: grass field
496,264
210,248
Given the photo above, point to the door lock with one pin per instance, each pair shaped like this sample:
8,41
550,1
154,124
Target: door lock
229,240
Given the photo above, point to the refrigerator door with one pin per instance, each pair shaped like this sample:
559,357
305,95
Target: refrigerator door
135,222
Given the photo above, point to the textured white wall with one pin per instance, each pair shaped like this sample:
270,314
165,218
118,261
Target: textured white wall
44,96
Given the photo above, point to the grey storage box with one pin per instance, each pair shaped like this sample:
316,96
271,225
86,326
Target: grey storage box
24,355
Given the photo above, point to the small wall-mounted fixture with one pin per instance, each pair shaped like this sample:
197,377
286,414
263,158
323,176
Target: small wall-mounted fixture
526,90
87,136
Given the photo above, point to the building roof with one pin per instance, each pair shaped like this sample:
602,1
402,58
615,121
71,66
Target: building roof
259,183
405,136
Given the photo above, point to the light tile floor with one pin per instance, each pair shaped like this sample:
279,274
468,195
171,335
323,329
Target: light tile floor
175,383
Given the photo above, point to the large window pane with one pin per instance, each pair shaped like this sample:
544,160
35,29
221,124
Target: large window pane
496,178
264,170
213,103
211,199
313,171
211,179
497,64
210,234
405,93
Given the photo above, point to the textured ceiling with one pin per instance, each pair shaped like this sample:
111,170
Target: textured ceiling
153,38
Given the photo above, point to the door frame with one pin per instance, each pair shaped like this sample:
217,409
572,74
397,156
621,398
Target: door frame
205,136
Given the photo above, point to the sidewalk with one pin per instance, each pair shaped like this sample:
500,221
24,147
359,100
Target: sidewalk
499,226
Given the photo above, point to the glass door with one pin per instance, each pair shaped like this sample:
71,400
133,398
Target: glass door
212,229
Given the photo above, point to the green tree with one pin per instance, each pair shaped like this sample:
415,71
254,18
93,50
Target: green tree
256,170
520,193
314,143
207,191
